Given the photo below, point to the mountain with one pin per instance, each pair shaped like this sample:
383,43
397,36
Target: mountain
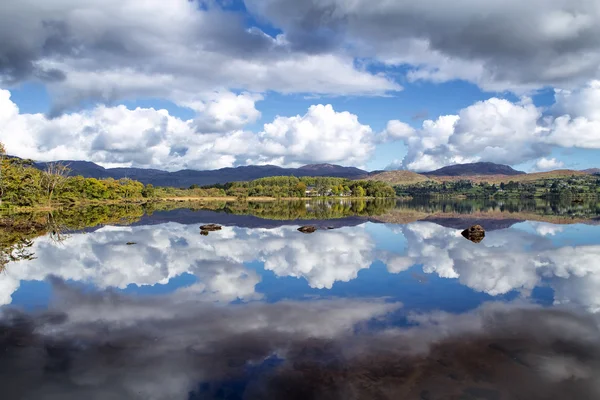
188,177
593,171
479,168
332,170
399,177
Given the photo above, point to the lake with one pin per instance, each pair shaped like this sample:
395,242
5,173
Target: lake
386,300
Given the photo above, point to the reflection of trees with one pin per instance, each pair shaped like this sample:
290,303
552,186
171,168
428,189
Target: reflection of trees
318,209
18,231
15,252
587,209
16,241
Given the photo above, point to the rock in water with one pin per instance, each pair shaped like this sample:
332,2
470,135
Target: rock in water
475,234
210,227
307,229
204,233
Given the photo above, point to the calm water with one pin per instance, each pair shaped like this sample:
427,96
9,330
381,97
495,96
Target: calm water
380,303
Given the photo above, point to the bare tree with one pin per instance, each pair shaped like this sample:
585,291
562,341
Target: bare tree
54,177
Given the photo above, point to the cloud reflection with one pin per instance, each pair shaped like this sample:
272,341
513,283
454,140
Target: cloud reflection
105,345
509,259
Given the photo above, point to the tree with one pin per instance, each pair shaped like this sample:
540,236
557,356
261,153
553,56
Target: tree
359,191
301,189
54,177
149,191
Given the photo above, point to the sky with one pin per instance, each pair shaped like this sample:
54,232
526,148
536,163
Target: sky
376,84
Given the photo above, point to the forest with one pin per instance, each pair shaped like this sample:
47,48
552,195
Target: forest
575,188
290,186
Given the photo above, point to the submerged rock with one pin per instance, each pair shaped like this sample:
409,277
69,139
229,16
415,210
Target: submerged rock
307,229
204,233
475,234
130,243
210,227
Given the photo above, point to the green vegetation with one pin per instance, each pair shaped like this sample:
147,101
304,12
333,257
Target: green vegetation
303,210
575,188
23,185
290,186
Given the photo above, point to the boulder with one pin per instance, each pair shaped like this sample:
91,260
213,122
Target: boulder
475,234
210,227
307,229
204,233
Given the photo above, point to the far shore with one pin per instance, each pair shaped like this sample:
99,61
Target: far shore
174,199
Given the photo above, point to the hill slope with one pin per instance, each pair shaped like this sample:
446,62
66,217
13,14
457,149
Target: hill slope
561,173
188,177
472,169
399,177
593,171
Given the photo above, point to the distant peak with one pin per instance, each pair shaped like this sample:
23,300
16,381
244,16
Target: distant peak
477,168
325,165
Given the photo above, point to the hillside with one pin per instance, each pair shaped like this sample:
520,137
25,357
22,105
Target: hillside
474,169
497,179
188,177
594,171
399,177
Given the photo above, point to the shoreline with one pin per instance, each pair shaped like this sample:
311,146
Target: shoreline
175,199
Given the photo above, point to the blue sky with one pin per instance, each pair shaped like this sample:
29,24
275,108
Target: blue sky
288,83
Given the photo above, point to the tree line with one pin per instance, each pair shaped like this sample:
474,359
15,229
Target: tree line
22,184
576,188
291,186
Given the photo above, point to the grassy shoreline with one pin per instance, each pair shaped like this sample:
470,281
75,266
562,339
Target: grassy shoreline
9,209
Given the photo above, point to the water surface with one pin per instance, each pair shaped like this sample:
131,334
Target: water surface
383,301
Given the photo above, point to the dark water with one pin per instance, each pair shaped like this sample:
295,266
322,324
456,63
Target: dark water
389,304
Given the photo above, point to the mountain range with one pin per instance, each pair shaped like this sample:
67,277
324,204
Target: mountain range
188,177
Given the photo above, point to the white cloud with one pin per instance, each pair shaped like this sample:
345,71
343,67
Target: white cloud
497,45
494,130
578,120
145,137
180,50
548,164
321,135
498,130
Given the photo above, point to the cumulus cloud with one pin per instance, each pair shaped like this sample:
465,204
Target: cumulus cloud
146,137
181,50
547,164
501,131
498,45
